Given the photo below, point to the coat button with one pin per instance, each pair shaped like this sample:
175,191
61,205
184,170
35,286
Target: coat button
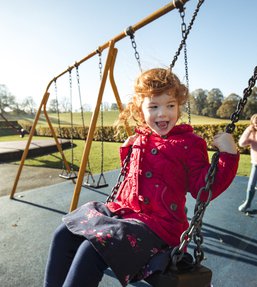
146,200
154,151
148,174
173,206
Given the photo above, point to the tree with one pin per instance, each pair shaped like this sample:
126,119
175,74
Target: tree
198,101
87,108
7,100
64,105
213,102
29,105
228,106
53,106
106,106
114,107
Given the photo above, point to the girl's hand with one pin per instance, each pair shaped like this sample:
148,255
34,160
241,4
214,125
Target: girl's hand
225,143
130,140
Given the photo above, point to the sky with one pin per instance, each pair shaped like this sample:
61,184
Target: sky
41,38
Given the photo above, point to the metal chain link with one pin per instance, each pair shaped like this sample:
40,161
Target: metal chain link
247,92
194,229
130,32
58,116
200,2
57,108
82,111
80,101
121,177
100,65
71,120
183,31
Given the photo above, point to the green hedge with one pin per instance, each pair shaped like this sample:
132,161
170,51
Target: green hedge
107,134
208,131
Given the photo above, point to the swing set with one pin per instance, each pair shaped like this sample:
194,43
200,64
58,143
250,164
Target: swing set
194,274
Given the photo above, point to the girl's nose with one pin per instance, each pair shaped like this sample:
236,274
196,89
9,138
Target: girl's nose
162,112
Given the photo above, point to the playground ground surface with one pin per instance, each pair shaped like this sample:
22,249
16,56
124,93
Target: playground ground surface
28,221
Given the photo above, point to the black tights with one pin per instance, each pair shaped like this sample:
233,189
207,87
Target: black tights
73,261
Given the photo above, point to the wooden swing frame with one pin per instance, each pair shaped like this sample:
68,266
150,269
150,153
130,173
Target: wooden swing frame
108,71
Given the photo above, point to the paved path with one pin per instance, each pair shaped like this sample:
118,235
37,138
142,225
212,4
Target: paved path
13,150
27,224
30,177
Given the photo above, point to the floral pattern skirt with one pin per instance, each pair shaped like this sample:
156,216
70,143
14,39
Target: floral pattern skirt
126,245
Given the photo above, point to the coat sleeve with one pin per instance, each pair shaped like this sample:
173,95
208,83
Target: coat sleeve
198,166
123,153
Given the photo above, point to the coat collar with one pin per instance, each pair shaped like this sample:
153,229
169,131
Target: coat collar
176,130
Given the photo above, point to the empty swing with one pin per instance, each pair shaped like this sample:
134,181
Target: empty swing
101,182
88,171
67,174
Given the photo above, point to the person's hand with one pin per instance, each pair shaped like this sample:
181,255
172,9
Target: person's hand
130,140
251,128
225,142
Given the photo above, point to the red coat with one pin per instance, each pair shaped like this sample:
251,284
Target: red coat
160,173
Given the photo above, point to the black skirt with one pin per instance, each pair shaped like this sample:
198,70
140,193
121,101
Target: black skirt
126,245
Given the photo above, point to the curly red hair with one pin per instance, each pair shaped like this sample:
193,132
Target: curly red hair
151,83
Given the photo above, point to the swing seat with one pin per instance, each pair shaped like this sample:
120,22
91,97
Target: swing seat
98,184
68,175
198,276
95,185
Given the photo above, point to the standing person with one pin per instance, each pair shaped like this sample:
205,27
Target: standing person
249,138
167,160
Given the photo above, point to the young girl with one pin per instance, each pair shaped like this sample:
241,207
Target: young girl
249,137
167,161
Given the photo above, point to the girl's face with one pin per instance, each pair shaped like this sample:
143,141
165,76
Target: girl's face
160,113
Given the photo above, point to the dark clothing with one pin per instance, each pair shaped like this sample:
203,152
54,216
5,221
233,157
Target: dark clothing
125,245
73,261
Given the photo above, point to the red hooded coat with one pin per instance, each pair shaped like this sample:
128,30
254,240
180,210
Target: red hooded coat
161,171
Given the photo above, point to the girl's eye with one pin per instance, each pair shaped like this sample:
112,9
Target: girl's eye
152,107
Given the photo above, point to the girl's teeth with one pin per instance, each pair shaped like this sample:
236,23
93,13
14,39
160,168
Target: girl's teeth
162,125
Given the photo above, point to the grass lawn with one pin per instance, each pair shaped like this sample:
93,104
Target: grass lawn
110,117
111,150
110,160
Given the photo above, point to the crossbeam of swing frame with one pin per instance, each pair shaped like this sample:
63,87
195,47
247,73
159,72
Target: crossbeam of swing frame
108,69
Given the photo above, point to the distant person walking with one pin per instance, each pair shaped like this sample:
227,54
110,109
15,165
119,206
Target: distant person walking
249,138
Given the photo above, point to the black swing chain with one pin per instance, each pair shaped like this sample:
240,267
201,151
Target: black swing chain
247,92
60,134
186,33
71,118
57,109
102,118
131,33
102,123
81,109
183,31
194,229
121,177
80,100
